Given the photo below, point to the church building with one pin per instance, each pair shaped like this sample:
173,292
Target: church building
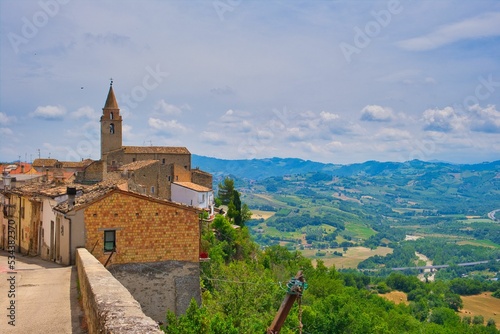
158,171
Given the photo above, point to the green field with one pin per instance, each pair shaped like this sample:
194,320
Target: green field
359,230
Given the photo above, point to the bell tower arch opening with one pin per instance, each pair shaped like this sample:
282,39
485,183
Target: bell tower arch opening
111,125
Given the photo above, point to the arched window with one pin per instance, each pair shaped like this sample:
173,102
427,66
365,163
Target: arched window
111,128
111,115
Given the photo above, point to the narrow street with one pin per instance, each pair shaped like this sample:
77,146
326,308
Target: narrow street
38,297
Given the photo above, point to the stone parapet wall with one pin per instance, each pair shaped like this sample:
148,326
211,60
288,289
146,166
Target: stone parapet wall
109,307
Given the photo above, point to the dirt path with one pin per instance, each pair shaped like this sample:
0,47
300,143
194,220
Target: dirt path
427,263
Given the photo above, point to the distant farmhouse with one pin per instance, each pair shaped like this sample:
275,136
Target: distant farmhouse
56,206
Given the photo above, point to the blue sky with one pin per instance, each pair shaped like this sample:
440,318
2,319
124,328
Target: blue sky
330,81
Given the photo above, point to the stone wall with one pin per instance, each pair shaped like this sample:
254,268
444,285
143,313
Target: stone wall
183,160
154,175
202,178
161,286
181,174
95,172
108,305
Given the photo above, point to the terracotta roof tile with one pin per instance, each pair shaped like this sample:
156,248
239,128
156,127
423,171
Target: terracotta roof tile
156,149
193,186
76,164
44,162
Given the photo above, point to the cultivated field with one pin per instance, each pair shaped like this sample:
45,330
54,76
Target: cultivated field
259,214
396,297
350,259
483,304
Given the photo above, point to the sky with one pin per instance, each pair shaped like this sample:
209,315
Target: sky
330,81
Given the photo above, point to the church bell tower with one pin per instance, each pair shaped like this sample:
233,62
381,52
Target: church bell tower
111,125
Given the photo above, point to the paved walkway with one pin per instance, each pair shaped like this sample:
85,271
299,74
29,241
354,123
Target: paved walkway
46,297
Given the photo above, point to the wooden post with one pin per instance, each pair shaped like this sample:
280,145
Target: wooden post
285,307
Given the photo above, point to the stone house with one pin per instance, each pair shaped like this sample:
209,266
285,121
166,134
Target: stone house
112,222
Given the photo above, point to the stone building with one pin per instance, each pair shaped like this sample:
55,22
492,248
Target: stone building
160,166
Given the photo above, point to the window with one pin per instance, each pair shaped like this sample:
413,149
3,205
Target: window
111,128
111,115
133,159
163,161
153,190
109,241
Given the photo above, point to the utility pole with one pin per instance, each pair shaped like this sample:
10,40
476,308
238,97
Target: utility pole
295,287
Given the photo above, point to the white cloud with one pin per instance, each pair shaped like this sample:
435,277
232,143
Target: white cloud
327,116
6,132
334,145
166,126
49,113
6,119
166,108
213,138
442,120
485,119
375,113
222,91
391,134
295,134
485,25
85,112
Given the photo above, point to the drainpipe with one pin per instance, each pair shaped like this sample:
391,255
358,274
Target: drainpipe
71,203
70,251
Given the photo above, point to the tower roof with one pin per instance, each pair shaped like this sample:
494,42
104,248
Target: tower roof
111,99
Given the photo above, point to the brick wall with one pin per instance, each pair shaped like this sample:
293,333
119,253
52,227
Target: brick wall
146,229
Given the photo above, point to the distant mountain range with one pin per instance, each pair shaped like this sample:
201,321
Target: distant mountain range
257,169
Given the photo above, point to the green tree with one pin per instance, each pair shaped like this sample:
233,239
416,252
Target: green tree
246,214
237,205
226,191
444,316
478,320
232,213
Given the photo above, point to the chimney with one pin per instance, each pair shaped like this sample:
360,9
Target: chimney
71,192
22,169
7,179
